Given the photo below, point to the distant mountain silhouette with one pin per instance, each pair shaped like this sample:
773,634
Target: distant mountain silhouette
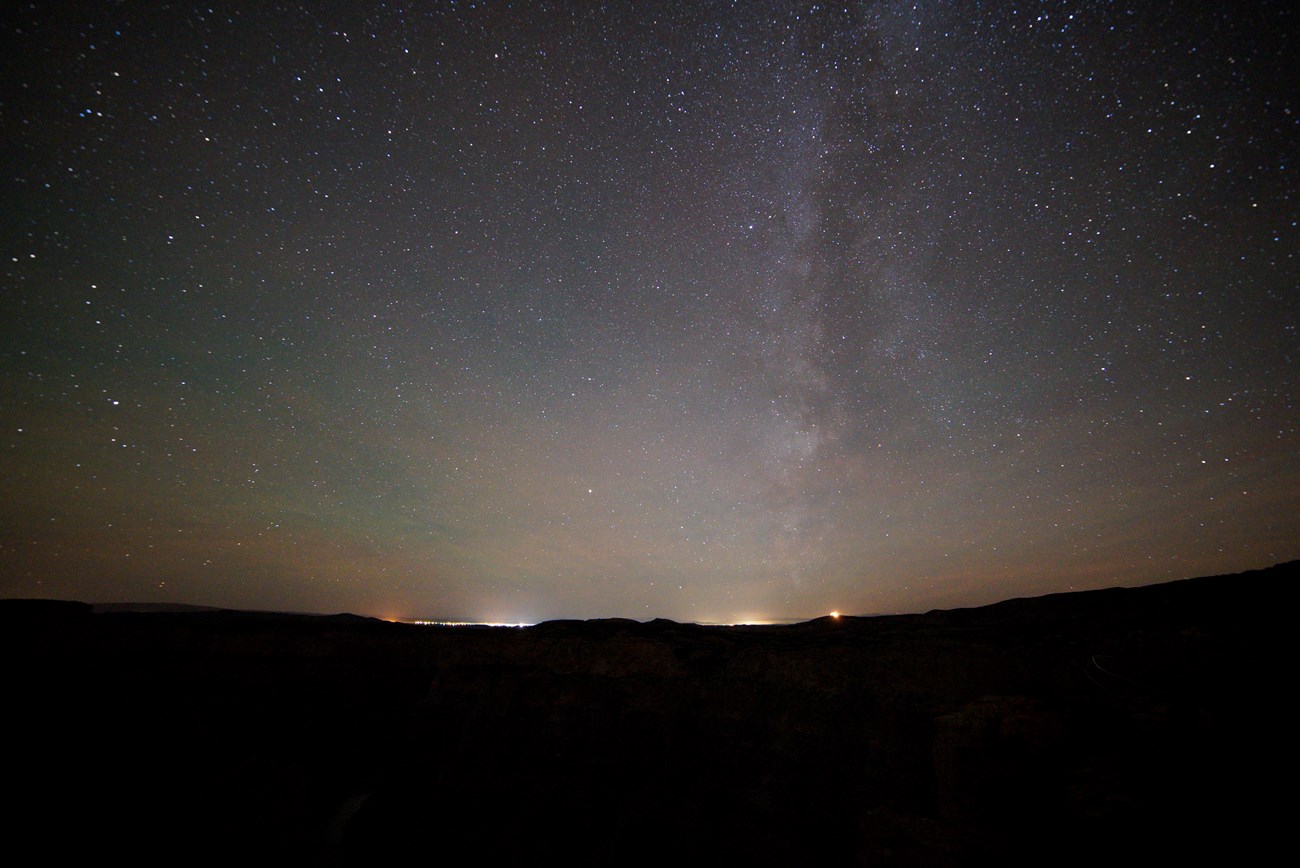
108,608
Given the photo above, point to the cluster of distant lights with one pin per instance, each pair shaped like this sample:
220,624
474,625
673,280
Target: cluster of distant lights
763,622
465,623
744,623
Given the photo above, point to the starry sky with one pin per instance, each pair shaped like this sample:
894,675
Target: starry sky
709,311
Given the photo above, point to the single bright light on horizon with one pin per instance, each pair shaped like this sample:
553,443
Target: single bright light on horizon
835,614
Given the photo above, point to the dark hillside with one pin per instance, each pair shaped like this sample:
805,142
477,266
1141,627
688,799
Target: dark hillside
1062,729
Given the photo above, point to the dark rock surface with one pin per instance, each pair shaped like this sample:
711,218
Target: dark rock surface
1117,725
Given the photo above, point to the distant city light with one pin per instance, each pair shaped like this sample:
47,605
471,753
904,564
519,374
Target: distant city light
469,624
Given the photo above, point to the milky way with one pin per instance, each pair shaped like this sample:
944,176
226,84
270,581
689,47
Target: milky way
507,312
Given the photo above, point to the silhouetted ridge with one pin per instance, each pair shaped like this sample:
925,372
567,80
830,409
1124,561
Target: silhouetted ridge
32,611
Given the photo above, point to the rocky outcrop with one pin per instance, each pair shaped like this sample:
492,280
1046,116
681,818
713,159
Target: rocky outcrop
997,760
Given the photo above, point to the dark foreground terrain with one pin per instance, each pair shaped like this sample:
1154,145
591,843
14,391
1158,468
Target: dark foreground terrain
1109,726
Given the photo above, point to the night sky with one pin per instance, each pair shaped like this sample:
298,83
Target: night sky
712,312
